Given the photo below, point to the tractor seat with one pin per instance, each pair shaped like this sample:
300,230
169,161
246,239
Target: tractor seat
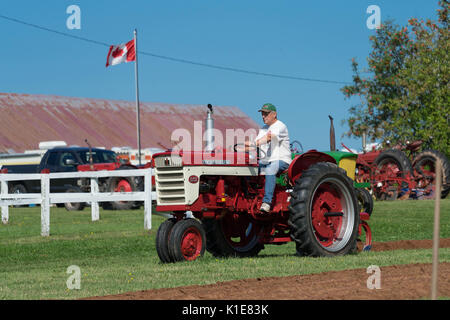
279,174
414,146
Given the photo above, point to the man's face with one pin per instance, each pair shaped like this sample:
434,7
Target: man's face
269,117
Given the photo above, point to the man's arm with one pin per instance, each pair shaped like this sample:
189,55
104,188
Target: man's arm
264,139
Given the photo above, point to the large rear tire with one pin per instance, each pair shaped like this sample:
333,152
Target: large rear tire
233,235
425,166
324,212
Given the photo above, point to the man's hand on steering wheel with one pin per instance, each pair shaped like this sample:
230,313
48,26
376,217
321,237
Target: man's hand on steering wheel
247,147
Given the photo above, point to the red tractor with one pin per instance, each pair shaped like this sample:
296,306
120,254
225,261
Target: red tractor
391,174
214,198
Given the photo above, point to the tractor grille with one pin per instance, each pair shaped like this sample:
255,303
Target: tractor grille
169,180
168,161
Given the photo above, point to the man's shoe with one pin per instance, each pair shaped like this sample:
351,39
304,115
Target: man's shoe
265,207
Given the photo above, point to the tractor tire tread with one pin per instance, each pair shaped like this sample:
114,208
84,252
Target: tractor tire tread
162,240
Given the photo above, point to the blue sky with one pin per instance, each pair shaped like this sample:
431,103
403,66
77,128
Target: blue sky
306,39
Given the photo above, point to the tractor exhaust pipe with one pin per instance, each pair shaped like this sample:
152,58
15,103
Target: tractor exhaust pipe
332,138
364,141
91,160
209,125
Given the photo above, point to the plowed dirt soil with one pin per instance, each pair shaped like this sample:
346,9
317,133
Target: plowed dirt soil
400,282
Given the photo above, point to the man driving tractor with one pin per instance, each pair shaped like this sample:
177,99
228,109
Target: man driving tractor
273,140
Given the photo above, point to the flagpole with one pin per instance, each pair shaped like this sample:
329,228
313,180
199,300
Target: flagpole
138,120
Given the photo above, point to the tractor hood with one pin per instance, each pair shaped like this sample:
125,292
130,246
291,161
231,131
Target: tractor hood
203,158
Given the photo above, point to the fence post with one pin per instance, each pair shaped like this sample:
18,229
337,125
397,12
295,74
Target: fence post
45,205
95,210
436,237
148,199
5,209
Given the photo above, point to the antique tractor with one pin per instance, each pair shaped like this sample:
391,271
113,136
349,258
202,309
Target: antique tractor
214,198
393,175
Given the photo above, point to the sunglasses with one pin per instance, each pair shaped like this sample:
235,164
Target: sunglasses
265,114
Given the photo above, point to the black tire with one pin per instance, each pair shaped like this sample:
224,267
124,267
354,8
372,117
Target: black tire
404,167
429,158
365,200
221,245
74,206
187,240
324,188
18,188
106,205
122,184
162,240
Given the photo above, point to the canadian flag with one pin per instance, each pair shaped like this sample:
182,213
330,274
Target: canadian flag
121,53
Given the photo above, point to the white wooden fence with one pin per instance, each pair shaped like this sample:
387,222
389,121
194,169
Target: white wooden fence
45,198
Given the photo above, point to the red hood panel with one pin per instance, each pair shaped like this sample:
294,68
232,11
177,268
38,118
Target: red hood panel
199,158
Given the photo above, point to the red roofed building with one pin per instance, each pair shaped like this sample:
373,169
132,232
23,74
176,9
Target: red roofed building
26,120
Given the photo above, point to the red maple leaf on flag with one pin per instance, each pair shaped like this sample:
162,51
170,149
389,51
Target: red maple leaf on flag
117,52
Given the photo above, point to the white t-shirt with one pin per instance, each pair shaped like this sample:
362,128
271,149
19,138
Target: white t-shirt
279,147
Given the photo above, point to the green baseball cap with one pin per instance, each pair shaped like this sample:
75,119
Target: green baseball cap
268,107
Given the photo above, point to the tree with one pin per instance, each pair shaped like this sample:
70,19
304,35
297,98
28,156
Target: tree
405,93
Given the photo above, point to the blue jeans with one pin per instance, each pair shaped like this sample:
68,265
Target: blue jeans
272,169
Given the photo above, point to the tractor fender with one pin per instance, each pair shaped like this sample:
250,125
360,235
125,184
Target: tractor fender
305,160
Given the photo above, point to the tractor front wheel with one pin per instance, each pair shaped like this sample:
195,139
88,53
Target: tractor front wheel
365,200
324,212
187,240
121,184
74,206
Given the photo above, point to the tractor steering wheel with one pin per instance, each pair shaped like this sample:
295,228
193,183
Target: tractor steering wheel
295,149
259,152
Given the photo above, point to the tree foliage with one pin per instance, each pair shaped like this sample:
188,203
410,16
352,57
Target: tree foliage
404,94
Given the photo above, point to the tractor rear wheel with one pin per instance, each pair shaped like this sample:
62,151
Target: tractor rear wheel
392,166
187,240
425,166
324,212
162,240
233,235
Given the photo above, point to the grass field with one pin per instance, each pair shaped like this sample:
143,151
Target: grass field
116,255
